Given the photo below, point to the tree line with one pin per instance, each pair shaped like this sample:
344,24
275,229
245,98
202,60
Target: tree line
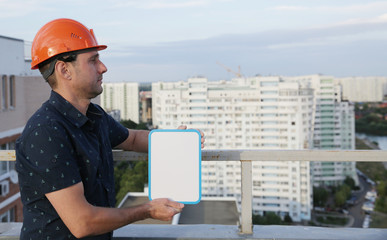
130,176
371,118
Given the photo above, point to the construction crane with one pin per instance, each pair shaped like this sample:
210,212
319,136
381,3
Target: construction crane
238,74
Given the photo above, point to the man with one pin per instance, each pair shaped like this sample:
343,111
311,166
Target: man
64,156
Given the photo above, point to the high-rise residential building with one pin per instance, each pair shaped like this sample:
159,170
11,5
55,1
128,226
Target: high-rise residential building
146,107
333,128
263,113
21,93
253,113
122,96
363,89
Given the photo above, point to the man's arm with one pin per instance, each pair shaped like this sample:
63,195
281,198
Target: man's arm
84,219
138,140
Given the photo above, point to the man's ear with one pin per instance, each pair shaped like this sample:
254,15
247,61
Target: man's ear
63,70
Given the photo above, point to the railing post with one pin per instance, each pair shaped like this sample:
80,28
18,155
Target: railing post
247,196
7,155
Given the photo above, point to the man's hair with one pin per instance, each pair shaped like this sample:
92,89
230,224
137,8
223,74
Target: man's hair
51,80
47,68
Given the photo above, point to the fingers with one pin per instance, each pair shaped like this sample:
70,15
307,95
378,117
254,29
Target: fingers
183,127
203,139
175,205
164,209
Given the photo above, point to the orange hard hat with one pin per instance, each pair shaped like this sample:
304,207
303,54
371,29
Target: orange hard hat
61,36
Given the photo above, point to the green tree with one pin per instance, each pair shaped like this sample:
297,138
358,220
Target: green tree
340,198
129,124
350,182
372,120
119,171
288,220
343,193
132,179
382,188
320,196
381,204
273,219
270,218
133,125
130,176
258,220
365,107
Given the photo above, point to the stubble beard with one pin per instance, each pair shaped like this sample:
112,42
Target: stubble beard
95,93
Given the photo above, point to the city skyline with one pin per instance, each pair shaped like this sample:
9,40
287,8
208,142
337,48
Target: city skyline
237,102
173,40
305,112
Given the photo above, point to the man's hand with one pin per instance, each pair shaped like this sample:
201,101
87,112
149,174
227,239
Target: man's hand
84,219
183,127
164,209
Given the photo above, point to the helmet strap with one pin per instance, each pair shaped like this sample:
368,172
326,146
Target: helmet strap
50,70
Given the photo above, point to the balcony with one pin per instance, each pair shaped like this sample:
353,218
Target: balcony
244,229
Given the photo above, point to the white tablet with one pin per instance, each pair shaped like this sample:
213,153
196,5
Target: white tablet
175,165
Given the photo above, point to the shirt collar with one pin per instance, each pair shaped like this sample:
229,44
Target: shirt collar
66,109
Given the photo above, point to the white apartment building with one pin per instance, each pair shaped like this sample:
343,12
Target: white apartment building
21,93
363,89
253,113
123,96
333,128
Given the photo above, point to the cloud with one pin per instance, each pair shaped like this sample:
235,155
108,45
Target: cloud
333,35
370,6
340,50
165,4
36,8
290,8
12,8
377,19
340,33
175,4
112,23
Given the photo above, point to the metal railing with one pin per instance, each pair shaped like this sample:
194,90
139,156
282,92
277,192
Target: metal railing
246,157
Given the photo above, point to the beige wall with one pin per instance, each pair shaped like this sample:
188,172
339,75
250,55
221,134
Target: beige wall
30,93
35,92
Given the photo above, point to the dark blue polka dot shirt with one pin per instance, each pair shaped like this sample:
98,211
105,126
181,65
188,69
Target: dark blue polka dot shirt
60,147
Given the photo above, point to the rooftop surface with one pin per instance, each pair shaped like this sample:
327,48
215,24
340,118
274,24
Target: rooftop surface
215,231
222,211
207,231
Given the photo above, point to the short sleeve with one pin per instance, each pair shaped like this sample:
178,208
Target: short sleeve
117,132
50,159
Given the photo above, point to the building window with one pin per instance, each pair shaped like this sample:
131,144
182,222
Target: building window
4,93
8,216
12,92
6,166
3,168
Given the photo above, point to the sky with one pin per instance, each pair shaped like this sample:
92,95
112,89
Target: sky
173,40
